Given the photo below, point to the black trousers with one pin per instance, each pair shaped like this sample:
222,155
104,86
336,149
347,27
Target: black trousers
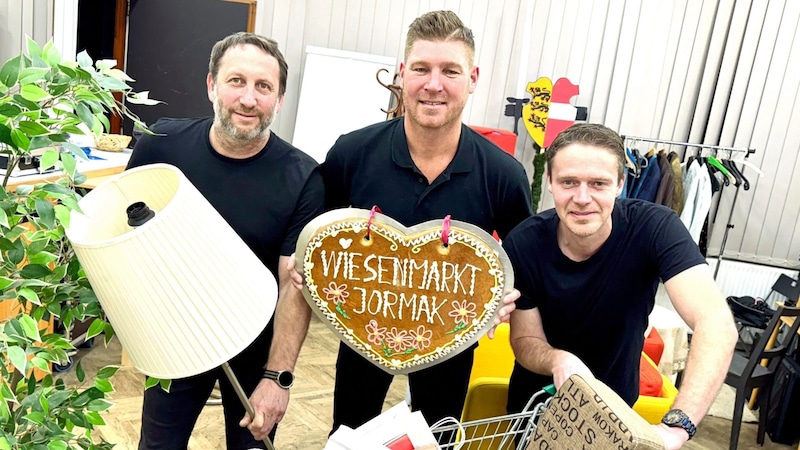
438,391
168,418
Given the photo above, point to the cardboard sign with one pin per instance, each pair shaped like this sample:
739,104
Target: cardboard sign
587,414
399,296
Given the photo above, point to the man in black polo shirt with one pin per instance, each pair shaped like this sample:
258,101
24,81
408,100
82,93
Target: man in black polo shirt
267,190
416,168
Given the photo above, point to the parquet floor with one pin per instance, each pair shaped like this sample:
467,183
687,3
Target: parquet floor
308,419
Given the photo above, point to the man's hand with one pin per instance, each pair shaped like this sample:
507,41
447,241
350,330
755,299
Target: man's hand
566,364
297,277
508,307
673,437
269,404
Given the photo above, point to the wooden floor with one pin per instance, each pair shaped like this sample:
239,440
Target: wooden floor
308,419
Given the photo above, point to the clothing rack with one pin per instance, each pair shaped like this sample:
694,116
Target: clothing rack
747,152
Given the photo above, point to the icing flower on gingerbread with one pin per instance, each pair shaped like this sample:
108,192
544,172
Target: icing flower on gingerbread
374,333
462,312
336,293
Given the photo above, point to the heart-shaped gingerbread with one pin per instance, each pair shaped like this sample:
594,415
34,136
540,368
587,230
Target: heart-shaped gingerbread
400,296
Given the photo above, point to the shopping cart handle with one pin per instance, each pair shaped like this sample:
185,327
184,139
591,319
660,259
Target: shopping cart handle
550,389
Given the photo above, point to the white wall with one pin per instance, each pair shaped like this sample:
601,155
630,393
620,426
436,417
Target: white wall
713,72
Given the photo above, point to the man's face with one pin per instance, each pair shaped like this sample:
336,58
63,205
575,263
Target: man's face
584,182
245,94
438,77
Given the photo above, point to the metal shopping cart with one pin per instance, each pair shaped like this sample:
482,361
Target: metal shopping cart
507,432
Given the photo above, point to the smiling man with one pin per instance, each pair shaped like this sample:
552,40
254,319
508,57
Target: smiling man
588,271
419,167
267,191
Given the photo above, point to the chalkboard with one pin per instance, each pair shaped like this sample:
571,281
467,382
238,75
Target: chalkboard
339,93
169,43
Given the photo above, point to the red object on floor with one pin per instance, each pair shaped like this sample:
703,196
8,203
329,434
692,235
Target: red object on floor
504,139
654,346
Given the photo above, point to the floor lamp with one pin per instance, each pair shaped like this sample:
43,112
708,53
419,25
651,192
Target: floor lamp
183,291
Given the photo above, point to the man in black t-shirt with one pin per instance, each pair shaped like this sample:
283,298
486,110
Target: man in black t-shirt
588,273
267,191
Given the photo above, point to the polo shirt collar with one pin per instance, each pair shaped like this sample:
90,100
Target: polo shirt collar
461,163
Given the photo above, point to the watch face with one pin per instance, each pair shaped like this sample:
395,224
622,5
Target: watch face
673,417
285,379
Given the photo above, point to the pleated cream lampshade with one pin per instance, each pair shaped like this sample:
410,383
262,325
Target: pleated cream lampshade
183,291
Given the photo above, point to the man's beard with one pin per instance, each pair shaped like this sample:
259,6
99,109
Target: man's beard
222,119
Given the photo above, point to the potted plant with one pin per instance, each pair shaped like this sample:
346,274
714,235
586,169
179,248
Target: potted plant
42,102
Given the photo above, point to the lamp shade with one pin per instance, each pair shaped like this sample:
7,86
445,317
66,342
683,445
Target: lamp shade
182,290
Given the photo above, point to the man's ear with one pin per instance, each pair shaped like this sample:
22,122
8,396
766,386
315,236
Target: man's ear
212,91
473,79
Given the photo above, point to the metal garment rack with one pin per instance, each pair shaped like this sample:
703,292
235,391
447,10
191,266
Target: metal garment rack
716,148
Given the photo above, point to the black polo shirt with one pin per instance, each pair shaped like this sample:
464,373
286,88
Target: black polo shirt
482,185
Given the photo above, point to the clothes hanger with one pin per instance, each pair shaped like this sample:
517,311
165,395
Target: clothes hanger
737,177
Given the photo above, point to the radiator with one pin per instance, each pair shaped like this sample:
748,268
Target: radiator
741,278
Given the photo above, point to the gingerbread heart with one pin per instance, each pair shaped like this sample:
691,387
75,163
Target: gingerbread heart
404,298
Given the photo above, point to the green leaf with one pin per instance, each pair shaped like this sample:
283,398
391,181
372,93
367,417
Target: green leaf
35,417
68,71
18,358
33,48
95,418
63,215
79,372
113,84
5,281
30,327
10,71
40,363
51,54
100,404
84,60
30,75
46,212
32,128
108,333
20,139
9,110
48,159
103,386
4,218
165,384
107,372
29,294
142,98
34,271
5,136
57,445
151,382
69,163
105,64
33,93
85,114
97,327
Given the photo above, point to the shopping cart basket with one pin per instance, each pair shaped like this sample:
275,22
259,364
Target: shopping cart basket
507,432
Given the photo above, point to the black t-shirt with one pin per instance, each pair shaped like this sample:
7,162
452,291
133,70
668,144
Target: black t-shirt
598,309
267,198
482,185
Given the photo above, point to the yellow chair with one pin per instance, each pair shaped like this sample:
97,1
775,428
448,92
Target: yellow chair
488,386
488,382
652,409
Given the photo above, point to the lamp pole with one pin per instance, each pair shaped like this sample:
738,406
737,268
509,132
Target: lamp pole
243,398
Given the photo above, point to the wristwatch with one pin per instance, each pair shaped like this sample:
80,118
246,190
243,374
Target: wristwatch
679,419
283,378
